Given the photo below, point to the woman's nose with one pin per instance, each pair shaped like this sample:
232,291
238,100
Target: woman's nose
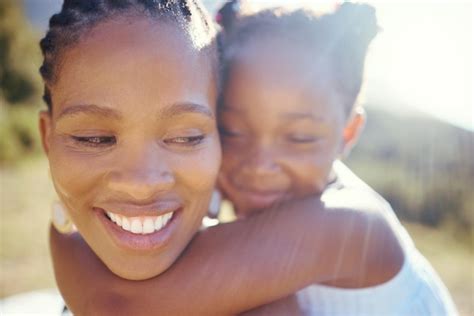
142,174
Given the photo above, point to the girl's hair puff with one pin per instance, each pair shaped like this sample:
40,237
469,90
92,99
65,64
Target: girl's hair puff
339,39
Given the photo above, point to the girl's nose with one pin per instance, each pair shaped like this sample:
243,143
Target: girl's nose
142,174
262,161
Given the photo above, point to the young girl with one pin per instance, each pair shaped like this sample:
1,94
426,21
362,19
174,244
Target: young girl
288,111
229,268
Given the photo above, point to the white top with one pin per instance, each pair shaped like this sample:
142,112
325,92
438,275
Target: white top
415,290
46,302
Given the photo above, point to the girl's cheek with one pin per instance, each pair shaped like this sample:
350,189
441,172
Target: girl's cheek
230,162
309,171
199,171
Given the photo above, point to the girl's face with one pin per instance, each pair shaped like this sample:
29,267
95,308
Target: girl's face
281,126
133,134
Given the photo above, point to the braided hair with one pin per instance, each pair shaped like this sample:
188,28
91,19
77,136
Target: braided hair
77,17
338,40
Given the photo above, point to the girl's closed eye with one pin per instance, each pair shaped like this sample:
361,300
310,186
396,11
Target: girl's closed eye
302,138
226,131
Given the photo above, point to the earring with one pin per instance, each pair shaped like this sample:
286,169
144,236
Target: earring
60,219
215,204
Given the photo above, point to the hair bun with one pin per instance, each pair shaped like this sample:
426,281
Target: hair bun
359,20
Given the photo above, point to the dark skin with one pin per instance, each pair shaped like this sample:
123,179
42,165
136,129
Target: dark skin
285,306
278,250
209,281
281,137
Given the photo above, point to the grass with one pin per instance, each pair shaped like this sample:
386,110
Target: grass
26,196
27,193
452,258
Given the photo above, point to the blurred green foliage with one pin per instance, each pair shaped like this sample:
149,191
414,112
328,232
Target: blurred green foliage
20,84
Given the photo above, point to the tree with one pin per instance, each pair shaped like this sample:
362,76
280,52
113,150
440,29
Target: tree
19,56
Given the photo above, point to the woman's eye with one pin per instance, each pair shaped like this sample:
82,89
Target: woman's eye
95,141
185,140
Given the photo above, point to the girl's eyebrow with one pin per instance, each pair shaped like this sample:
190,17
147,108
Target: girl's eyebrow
227,108
301,116
90,109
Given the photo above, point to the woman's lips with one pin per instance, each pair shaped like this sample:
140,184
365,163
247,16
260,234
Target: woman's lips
131,208
135,233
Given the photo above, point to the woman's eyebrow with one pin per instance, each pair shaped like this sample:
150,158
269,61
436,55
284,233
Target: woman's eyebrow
90,109
185,108
173,110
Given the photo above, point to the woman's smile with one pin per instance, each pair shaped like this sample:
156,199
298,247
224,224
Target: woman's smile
140,227
140,233
140,224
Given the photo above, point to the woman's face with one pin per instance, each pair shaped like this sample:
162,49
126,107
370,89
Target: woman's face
281,127
133,134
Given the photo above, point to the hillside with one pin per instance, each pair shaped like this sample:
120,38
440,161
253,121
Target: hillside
424,167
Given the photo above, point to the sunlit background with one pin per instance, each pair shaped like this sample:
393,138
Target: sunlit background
417,149
422,59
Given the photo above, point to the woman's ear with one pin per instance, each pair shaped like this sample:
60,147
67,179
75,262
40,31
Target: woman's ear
45,129
353,129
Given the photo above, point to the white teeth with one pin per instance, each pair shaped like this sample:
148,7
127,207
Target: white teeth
140,225
148,226
159,222
125,224
167,217
136,227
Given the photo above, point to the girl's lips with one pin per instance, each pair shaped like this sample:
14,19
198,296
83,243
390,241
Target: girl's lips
129,241
262,199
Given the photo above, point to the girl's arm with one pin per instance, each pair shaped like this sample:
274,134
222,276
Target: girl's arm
234,267
289,305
